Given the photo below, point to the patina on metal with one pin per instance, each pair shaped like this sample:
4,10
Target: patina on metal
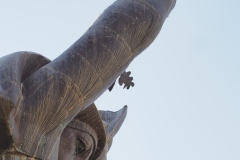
39,98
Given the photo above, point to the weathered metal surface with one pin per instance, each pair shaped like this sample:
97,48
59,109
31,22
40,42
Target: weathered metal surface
84,137
88,129
112,122
14,69
38,103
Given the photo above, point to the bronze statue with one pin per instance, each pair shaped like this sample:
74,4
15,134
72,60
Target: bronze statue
39,98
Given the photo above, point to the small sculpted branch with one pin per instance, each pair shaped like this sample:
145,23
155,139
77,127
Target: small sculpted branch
39,98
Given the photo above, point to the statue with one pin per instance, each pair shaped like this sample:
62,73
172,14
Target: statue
40,99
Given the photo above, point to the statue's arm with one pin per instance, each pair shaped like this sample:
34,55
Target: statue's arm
54,94
95,60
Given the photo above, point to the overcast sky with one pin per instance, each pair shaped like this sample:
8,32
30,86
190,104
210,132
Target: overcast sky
186,101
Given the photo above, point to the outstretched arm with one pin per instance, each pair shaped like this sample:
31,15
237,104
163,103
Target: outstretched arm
54,94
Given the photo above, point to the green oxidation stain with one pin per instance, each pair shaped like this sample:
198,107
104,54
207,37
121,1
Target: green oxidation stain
43,144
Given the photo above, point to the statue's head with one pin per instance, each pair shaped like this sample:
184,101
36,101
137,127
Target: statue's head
90,134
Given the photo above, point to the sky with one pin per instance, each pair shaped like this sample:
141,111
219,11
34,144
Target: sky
185,104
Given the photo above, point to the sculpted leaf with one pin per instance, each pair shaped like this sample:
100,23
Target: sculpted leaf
126,80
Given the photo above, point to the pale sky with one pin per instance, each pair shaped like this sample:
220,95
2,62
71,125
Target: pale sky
186,101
